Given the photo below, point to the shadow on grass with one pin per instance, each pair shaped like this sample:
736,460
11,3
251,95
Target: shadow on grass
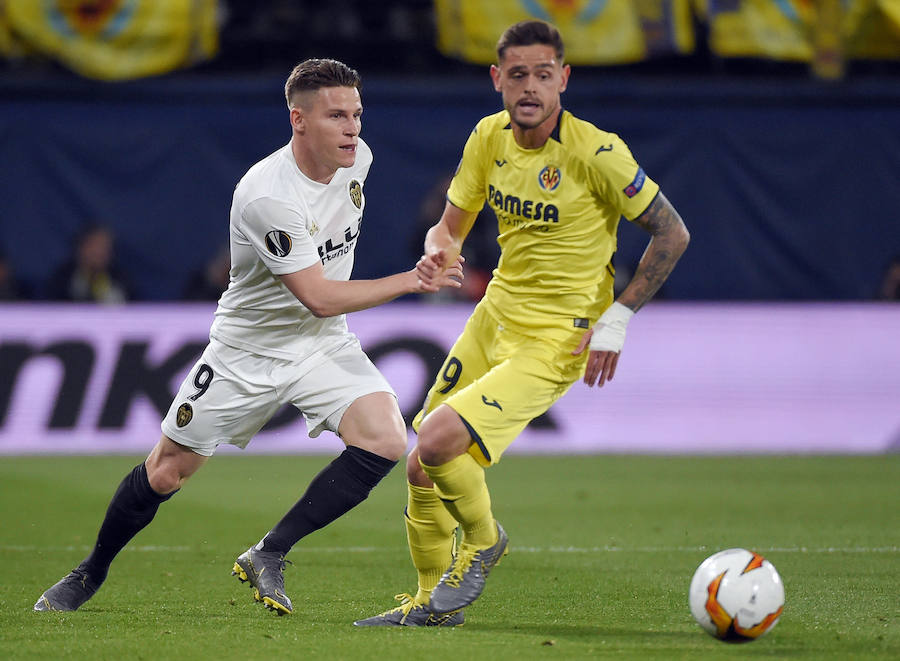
573,631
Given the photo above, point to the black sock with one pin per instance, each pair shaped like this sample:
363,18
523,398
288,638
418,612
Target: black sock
132,507
341,486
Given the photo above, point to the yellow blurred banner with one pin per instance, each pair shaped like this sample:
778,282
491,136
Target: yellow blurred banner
594,31
874,29
801,29
111,39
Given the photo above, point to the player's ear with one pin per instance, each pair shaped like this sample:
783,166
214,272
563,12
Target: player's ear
566,70
495,76
298,121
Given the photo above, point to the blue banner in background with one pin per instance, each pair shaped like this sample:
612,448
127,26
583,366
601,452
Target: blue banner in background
789,189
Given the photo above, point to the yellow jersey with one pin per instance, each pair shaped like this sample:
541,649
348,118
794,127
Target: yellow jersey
558,209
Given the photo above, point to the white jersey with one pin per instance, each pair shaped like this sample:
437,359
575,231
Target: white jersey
282,222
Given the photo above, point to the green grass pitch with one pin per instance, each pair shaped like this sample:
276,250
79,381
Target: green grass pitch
602,549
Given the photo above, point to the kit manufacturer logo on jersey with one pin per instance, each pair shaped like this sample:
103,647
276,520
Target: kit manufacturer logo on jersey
184,414
549,177
278,243
356,194
636,185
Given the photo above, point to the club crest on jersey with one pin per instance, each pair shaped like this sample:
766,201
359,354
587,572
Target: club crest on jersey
549,177
636,185
184,414
278,243
356,194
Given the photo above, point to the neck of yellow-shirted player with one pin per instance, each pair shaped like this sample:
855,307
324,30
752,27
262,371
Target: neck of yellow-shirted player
537,137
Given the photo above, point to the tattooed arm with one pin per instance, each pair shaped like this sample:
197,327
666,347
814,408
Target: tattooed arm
669,239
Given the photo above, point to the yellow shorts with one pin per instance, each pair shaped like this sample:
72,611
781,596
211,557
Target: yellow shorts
498,380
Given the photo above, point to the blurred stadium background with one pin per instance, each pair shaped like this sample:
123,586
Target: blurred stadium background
773,126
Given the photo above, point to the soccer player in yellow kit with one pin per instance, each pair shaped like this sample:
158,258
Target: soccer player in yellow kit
558,186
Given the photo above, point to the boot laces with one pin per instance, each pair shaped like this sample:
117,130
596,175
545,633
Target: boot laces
464,559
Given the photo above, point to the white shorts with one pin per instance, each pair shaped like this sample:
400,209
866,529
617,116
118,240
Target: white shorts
229,394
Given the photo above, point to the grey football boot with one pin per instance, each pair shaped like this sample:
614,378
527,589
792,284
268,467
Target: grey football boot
412,613
464,581
72,591
265,571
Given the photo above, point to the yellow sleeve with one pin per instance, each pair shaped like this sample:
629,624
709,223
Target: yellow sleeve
620,181
467,189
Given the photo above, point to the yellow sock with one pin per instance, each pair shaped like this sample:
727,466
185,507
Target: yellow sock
460,484
430,530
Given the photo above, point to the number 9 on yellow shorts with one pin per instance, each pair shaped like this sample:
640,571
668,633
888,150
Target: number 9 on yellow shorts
498,380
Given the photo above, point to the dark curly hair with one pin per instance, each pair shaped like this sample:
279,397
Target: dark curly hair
526,33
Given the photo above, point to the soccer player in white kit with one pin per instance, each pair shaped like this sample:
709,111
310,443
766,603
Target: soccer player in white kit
280,335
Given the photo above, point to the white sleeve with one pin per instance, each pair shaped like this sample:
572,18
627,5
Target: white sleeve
277,231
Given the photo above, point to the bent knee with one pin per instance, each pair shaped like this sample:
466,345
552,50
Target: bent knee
387,440
442,437
374,423
392,446
415,474
164,477
169,465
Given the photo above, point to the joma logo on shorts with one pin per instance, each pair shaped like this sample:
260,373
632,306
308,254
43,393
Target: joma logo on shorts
491,402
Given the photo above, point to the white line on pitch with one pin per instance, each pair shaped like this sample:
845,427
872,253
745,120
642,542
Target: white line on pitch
517,549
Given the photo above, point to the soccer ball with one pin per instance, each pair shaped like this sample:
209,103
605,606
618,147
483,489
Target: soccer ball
736,595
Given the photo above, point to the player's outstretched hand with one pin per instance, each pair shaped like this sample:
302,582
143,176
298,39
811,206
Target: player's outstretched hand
432,276
605,340
429,267
601,365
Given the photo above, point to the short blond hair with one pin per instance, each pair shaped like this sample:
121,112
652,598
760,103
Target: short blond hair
314,74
